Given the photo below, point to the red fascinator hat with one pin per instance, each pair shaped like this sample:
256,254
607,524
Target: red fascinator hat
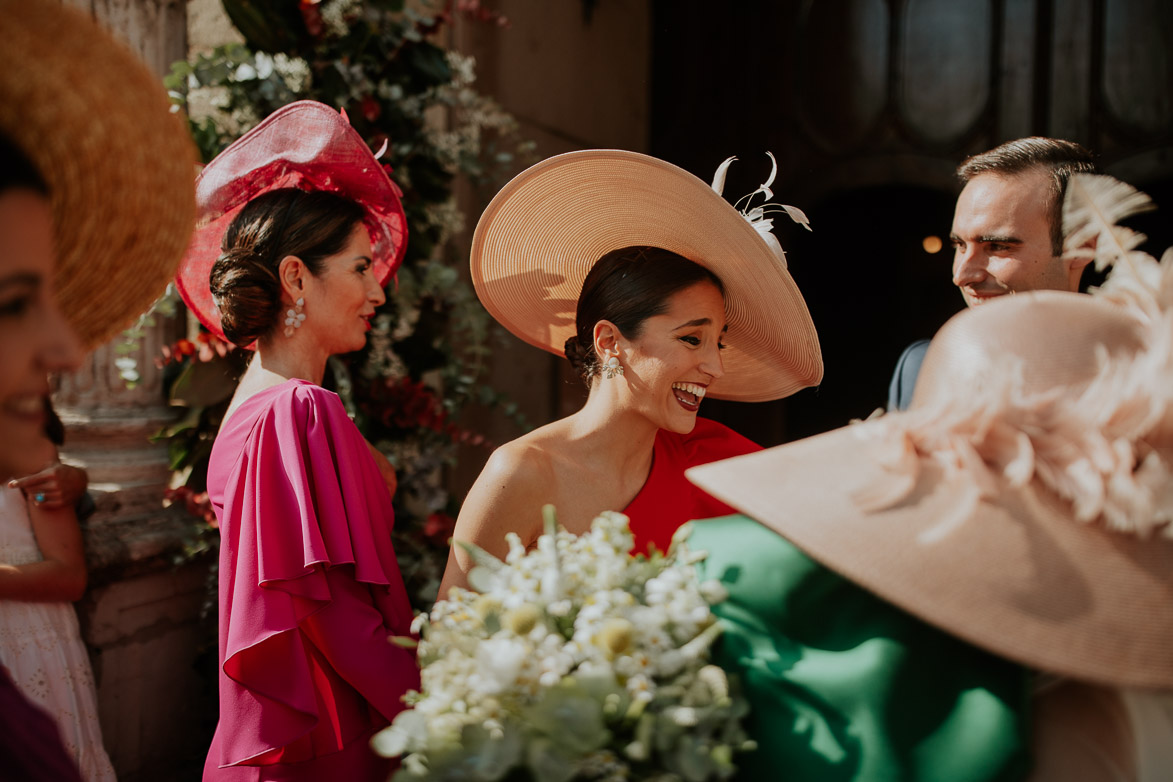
307,145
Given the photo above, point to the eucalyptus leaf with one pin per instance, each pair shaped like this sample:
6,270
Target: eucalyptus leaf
549,763
204,384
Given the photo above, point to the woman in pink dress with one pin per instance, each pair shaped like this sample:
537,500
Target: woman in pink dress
310,591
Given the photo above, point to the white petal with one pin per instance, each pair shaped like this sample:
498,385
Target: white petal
771,241
719,176
798,216
765,187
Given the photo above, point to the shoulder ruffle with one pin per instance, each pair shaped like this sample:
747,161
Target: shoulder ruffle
303,496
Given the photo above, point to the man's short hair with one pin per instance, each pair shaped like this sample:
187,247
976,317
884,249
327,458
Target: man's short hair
1061,158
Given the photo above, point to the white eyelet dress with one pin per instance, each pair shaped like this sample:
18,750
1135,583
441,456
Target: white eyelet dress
41,646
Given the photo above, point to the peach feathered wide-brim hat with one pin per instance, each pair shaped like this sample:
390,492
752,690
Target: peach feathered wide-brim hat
1023,503
540,236
119,164
305,144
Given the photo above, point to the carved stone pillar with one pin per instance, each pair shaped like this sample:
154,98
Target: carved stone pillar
108,425
140,617
108,429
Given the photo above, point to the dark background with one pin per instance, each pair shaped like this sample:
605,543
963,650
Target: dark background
869,105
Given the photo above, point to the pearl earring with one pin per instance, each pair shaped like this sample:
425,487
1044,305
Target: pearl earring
294,317
612,367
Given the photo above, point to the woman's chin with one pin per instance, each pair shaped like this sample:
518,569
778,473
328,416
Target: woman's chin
349,345
681,422
27,450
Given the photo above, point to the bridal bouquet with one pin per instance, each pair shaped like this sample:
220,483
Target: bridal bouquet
572,661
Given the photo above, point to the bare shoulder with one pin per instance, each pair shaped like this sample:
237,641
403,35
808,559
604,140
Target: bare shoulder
519,477
516,480
517,467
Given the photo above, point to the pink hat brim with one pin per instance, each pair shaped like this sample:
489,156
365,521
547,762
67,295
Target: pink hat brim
307,145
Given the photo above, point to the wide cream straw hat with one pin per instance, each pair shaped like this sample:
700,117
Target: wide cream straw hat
544,231
1022,503
119,165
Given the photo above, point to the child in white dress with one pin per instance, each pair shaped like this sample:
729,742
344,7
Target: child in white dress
42,571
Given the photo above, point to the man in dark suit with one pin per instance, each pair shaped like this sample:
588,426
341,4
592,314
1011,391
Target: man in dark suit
1007,232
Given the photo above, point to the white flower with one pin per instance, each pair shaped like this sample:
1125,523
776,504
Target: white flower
499,662
572,645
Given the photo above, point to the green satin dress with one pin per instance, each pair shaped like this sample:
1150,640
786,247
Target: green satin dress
845,687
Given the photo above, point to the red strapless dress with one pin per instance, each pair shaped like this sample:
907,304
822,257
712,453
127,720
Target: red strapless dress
668,499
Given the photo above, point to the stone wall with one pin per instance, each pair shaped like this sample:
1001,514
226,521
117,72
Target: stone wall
576,75
140,617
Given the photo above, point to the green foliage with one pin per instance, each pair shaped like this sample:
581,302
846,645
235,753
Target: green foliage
376,60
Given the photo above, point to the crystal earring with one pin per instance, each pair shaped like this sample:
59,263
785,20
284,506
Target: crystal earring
612,367
294,317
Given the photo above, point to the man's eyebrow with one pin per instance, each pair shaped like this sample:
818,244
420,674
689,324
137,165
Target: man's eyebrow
955,239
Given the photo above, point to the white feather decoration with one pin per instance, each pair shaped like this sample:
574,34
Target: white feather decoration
719,176
1092,209
759,216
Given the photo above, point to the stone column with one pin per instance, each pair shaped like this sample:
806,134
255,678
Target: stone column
108,429
141,617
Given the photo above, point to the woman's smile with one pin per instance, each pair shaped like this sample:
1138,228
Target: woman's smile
676,356
689,395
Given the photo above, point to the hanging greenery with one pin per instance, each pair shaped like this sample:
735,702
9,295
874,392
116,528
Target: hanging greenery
378,61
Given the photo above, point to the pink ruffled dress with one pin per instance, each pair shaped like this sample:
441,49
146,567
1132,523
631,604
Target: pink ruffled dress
309,593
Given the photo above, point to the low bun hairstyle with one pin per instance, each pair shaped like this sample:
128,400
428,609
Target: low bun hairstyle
311,225
627,286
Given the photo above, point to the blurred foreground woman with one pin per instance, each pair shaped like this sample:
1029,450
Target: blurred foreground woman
95,209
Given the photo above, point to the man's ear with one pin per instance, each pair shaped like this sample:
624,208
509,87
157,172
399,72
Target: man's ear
292,272
1077,263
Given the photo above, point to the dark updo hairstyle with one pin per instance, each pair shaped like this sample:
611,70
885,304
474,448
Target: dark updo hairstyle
312,225
627,286
17,171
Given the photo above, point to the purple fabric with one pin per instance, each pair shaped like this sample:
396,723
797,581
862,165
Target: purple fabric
309,588
30,746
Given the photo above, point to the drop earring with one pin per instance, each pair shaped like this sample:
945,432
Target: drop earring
294,317
611,366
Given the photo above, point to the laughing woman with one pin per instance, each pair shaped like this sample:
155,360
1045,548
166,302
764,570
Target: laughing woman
659,293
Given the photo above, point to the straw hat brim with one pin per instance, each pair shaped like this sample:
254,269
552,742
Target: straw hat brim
119,164
540,236
1017,577
305,144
